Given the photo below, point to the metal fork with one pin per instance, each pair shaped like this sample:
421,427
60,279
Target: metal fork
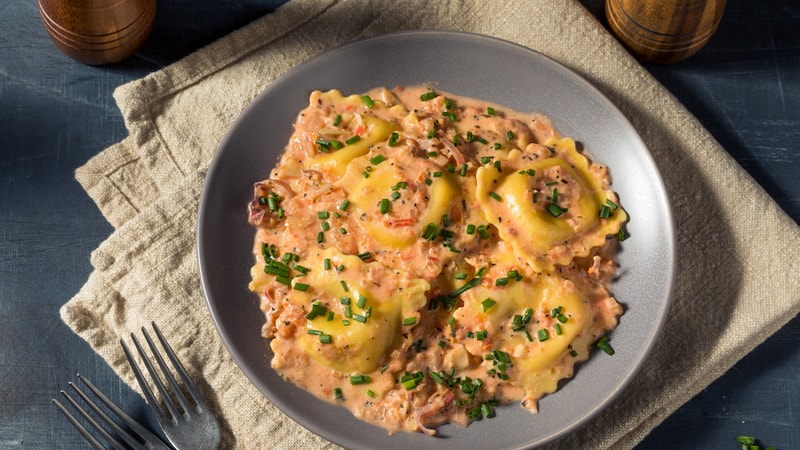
193,426
141,438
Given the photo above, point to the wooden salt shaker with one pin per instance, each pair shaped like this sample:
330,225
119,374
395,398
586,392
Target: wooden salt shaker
664,31
98,32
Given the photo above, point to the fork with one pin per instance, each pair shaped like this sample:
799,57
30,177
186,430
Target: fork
190,427
141,438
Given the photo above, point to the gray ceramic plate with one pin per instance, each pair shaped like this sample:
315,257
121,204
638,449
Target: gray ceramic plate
474,66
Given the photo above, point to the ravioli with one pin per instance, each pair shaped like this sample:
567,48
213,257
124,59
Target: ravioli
421,257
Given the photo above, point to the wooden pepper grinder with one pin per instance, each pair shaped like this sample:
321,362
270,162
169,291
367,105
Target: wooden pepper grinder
664,31
98,32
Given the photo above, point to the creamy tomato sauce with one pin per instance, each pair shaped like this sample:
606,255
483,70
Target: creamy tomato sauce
422,257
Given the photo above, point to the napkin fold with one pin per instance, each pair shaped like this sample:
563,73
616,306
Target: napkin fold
737,249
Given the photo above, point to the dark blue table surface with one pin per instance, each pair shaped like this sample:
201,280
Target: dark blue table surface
55,114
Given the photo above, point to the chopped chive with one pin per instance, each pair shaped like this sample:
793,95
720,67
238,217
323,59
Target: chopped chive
562,318
442,343
336,144
320,237
611,204
344,285
359,379
362,301
464,170
314,332
353,140
487,304
322,214
495,196
481,140
603,345
510,135
465,287
344,300
301,269
326,263
498,166
605,212
428,181
262,200
485,160
384,207
408,321
337,120
359,318
431,133
530,172
430,95
343,230
430,232
455,140
368,101
501,281
448,104
490,111
330,316
483,232
337,393
535,196
282,279
451,168
558,329
555,195
621,235
325,226
452,323
345,204
470,229
542,334
481,335
325,338
460,276
437,174
340,268
393,138
377,159
555,210
348,311
497,146
450,115
300,287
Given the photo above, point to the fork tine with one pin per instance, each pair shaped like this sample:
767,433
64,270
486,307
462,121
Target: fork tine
198,398
97,445
140,430
108,420
148,393
110,439
165,370
165,397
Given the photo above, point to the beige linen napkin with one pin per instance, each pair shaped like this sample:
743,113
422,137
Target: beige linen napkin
735,283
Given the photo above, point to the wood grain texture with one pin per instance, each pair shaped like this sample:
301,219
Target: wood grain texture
98,32
664,31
